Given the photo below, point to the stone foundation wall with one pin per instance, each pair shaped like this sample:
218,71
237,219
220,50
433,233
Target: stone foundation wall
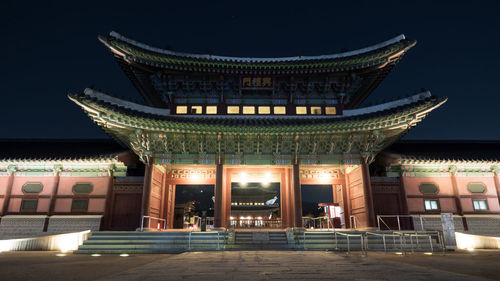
20,226
67,224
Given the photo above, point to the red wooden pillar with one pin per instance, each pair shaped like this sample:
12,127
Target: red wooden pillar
496,178
297,194
367,188
8,191
346,198
219,191
106,220
146,189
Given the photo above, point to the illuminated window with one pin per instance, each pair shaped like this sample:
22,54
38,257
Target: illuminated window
316,110
301,110
480,205
279,110
264,110
211,109
248,110
431,204
196,109
182,109
330,110
233,110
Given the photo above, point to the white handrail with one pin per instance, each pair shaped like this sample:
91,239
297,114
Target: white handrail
149,222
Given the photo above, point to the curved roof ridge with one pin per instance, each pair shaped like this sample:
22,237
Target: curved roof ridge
383,44
166,112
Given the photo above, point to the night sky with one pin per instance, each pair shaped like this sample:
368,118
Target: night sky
51,49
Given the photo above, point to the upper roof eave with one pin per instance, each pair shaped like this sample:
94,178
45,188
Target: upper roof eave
114,40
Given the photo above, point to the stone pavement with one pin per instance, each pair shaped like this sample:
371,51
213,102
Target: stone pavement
247,265
283,265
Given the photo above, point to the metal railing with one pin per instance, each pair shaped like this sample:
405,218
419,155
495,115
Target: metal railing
380,221
149,222
317,223
255,223
399,240
352,221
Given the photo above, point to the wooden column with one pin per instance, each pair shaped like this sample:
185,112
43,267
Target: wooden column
346,200
219,191
496,178
367,188
458,203
53,195
8,191
106,220
146,189
297,194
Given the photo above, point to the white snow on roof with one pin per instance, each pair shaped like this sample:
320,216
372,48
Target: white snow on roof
394,40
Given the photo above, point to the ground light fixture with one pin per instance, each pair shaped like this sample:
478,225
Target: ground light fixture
428,253
124,255
470,249
95,255
61,255
398,253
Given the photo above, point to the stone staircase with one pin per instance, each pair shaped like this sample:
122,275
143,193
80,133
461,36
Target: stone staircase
367,240
260,240
134,242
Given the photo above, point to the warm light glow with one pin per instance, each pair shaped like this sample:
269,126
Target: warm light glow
330,110
95,255
181,109
124,255
324,177
211,109
301,110
264,110
248,110
195,176
398,253
279,110
243,178
61,255
233,110
428,253
470,249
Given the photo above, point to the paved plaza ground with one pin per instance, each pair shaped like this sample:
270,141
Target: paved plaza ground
251,265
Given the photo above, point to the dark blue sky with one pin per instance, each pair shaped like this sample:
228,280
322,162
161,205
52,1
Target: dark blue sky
50,49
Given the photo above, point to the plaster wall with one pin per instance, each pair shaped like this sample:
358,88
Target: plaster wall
100,184
489,182
47,184
411,185
4,180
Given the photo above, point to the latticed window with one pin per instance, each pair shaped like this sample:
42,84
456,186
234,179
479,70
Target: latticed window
330,110
29,205
32,187
233,110
431,205
80,205
264,110
316,110
476,187
480,205
301,110
428,188
211,109
181,109
279,110
196,109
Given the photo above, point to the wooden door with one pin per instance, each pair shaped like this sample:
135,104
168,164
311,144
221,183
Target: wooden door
126,211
